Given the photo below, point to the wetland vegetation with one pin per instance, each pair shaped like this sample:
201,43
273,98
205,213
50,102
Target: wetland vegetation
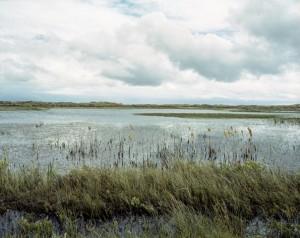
68,173
212,115
36,105
183,199
258,115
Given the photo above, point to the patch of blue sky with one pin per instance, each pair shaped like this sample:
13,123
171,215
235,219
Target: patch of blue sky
134,8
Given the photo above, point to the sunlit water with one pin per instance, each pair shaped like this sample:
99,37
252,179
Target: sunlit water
68,138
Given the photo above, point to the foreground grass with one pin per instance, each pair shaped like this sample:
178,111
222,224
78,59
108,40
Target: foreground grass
202,199
180,223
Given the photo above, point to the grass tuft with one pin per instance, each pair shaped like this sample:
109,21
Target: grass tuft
230,195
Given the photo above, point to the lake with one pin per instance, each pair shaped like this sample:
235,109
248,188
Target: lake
68,138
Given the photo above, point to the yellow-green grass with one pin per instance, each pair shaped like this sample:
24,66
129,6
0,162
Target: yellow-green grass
229,196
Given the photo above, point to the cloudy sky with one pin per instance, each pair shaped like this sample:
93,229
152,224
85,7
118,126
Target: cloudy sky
150,51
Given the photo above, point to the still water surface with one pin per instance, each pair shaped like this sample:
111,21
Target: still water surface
68,138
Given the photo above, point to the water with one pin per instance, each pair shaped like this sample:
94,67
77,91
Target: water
68,138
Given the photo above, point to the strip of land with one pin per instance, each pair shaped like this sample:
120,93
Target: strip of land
277,119
35,105
211,115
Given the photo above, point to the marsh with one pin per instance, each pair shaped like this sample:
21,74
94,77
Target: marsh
70,138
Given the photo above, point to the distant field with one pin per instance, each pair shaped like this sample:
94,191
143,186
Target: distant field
32,105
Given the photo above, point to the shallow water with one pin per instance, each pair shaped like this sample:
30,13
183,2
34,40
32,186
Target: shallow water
69,138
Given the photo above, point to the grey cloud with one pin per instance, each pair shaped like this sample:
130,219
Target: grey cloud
20,56
16,79
15,72
32,45
276,21
139,75
155,48
208,54
210,68
275,28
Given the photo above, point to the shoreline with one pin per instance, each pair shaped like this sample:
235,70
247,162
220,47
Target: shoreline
31,105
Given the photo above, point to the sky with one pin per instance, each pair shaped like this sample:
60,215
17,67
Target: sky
151,51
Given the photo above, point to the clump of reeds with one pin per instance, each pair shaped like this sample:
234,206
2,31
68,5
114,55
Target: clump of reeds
123,151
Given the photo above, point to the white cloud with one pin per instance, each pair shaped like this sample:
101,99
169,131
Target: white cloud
150,50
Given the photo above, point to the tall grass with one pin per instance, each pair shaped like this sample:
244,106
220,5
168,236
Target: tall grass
234,194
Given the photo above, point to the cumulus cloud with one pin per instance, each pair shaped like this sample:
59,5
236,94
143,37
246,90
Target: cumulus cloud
275,21
150,50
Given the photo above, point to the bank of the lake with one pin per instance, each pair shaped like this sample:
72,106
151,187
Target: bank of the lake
37,105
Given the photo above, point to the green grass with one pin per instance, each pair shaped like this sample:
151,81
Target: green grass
293,121
40,228
229,196
20,108
36,105
277,119
211,115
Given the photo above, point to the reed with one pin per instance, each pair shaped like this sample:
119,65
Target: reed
236,146
228,195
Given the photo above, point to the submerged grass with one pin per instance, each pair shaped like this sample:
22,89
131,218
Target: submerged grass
229,196
180,223
277,119
212,115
